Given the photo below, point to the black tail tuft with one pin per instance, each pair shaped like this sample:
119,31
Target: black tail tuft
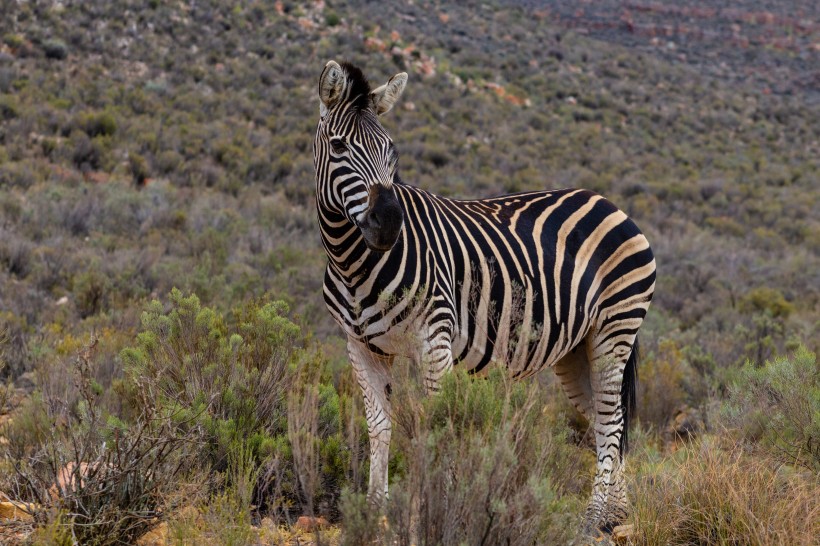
629,386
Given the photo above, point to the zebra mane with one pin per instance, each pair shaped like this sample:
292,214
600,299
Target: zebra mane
358,91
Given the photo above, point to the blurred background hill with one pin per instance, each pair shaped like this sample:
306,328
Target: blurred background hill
768,44
146,145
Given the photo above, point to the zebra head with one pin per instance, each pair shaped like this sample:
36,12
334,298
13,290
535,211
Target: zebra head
354,157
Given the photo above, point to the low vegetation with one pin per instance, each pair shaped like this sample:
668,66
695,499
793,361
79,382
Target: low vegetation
218,421
166,355
713,492
485,461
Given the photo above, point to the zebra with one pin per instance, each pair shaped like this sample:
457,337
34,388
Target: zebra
558,278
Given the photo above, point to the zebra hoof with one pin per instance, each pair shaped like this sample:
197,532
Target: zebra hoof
606,528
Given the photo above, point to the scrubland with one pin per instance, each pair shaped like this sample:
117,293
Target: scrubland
166,356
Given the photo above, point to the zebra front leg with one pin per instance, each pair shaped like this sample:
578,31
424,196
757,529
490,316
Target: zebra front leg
373,375
436,358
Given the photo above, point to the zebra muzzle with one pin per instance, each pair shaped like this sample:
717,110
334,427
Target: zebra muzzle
384,219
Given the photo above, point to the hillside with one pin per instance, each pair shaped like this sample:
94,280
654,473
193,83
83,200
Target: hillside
772,46
147,145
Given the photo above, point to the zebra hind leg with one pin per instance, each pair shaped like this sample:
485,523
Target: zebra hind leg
573,373
613,377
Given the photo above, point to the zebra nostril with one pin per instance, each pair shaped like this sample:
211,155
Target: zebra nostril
374,221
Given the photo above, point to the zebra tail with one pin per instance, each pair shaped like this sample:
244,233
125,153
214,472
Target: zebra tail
629,387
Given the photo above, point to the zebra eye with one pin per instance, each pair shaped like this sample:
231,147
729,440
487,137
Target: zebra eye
338,144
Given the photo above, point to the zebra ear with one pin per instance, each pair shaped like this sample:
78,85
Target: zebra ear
332,84
383,98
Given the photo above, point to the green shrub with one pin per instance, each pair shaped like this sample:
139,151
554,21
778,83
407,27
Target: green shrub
764,299
8,108
168,161
97,123
484,460
86,153
666,381
362,524
15,255
13,40
29,431
332,19
55,49
91,291
17,175
139,168
237,378
778,405
48,146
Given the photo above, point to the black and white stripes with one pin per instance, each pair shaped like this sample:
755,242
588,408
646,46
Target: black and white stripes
551,278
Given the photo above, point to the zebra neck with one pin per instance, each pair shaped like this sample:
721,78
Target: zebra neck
346,250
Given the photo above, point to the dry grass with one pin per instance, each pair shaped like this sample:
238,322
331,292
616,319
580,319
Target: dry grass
710,493
303,433
221,524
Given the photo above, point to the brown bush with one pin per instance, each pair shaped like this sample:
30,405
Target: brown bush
105,480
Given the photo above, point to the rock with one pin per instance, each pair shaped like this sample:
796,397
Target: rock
687,424
622,533
158,536
71,477
191,516
16,510
308,524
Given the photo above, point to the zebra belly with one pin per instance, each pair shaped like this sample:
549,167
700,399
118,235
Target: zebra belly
509,323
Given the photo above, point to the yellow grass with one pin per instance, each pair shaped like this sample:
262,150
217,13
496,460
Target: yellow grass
709,493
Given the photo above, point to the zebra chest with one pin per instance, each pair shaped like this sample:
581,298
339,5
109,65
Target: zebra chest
376,312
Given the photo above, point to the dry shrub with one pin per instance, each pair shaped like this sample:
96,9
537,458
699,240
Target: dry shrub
303,431
6,387
15,254
226,519
96,478
661,389
715,494
14,340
